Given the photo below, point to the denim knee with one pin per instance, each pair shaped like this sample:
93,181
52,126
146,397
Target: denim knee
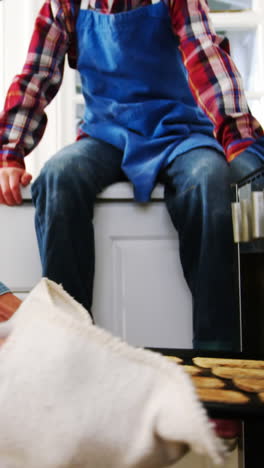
202,168
82,169
51,185
56,172
62,180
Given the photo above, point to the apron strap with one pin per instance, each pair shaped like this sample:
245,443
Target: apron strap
70,26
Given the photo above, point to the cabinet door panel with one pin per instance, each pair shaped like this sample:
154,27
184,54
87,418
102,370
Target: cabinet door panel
140,293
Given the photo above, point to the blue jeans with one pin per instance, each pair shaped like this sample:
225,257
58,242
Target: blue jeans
197,196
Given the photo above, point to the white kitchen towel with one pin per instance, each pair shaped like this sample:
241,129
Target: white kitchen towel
74,396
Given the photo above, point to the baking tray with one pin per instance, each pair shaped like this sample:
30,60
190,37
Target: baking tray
254,409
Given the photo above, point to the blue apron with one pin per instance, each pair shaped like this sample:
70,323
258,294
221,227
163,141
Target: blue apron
136,92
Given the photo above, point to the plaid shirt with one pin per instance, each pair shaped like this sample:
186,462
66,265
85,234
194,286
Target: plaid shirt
213,77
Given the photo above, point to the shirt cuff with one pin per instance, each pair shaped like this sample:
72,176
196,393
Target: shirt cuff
11,164
11,158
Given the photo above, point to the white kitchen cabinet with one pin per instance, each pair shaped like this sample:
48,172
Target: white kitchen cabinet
140,293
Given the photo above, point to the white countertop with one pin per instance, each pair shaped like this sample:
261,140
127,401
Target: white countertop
118,191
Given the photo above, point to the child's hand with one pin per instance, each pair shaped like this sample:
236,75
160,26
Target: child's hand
11,178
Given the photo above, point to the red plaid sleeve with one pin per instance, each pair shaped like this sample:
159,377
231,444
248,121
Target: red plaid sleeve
213,77
23,119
